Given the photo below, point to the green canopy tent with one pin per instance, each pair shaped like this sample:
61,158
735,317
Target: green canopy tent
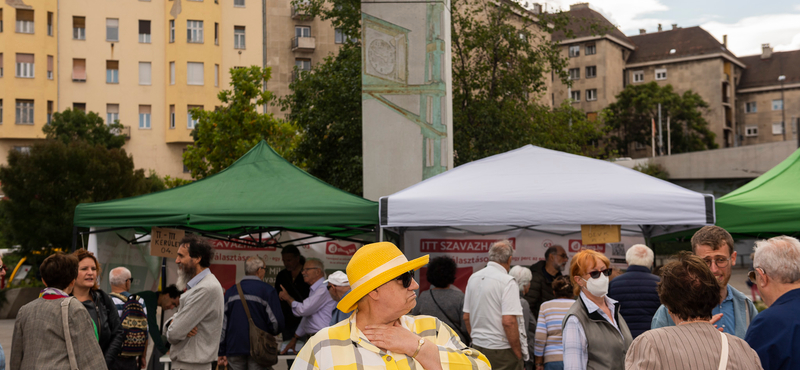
261,192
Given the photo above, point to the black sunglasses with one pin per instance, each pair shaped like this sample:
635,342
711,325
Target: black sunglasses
406,278
596,274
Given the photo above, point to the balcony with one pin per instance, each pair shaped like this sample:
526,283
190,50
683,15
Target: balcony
304,44
301,14
124,131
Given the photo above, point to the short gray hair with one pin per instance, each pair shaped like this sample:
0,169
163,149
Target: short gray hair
252,264
118,276
639,255
501,251
318,263
522,275
779,257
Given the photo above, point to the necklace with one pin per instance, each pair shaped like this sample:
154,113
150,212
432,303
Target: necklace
691,321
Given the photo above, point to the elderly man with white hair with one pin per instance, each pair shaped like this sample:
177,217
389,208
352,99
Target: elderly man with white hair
527,325
775,333
134,323
635,290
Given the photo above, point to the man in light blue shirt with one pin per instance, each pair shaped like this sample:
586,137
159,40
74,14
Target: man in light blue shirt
316,309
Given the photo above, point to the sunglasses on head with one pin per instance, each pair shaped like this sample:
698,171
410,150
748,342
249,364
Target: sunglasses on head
596,274
406,278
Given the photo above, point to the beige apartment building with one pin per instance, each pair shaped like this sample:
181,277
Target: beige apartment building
144,63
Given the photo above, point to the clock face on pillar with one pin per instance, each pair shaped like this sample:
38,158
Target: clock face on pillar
386,50
382,56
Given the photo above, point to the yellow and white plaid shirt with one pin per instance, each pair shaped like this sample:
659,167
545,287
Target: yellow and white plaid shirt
344,347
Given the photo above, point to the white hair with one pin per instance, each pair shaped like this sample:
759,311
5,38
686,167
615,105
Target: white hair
639,255
522,275
252,264
779,257
118,276
317,263
501,251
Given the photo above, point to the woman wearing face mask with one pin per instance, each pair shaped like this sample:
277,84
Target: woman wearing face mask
595,336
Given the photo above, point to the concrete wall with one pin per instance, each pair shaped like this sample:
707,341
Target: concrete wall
765,117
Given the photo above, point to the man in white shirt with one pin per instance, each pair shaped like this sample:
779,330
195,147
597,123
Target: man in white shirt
491,306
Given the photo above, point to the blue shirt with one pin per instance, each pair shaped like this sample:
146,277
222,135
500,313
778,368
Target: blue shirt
775,333
2,359
727,322
337,315
196,279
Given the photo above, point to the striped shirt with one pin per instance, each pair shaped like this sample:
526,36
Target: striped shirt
548,329
345,347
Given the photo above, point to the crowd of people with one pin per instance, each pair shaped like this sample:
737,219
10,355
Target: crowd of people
687,316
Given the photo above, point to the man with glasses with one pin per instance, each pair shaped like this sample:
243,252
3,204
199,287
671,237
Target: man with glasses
134,323
491,307
774,333
338,287
316,309
543,273
715,246
265,310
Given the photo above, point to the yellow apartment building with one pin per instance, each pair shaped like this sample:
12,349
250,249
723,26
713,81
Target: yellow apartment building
144,63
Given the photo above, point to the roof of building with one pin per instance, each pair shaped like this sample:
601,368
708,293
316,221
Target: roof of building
765,72
687,42
581,19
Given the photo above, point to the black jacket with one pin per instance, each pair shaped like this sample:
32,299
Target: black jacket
636,292
541,288
109,326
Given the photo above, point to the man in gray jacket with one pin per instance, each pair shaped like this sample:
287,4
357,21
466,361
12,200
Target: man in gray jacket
197,326
715,246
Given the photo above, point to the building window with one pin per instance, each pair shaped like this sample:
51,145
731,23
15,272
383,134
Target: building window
112,29
303,64
49,112
661,74
24,21
1,111
171,73
79,107
194,31
591,49
574,51
1,19
776,104
172,116
638,76
216,33
238,37
777,128
112,113
591,95
575,74
750,107
49,23
112,71
25,65
591,71
191,122
216,75
144,117
22,149
79,70
575,96
24,112
144,31
49,67
79,28
194,73
302,31
171,30
751,131
238,3
1,64
145,73
338,36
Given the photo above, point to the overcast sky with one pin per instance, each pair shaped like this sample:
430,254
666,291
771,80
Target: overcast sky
748,24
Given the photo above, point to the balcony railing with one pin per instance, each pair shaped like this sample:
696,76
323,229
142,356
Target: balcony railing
299,13
304,44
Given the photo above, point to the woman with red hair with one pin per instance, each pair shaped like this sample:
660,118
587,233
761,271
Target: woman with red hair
595,335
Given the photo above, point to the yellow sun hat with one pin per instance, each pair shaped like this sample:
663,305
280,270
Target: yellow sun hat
372,266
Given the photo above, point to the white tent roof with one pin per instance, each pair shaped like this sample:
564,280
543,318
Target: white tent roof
537,186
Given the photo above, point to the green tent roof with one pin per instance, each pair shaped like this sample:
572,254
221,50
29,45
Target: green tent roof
260,190
766,206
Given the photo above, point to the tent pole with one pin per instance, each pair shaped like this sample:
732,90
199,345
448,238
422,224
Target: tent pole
380,232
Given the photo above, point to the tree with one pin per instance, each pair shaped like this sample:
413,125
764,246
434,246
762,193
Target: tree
228,132
501,58
629,119
42,188
72,125
325,103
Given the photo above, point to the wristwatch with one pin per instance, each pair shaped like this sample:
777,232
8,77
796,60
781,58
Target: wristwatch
419,347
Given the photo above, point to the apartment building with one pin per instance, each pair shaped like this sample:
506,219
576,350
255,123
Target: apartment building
144,63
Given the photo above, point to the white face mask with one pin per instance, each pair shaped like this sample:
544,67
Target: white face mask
598,287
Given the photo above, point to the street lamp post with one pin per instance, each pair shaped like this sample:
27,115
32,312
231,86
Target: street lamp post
781,78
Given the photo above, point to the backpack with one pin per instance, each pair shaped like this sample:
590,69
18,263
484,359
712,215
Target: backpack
134,322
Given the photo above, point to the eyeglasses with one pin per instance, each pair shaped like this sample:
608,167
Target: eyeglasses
719,261
596,274
406,278
311,268
330,287
752,274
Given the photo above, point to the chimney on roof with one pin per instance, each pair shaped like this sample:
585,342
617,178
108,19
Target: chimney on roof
659,27
766,51
642,31
674,26
578,6
725,41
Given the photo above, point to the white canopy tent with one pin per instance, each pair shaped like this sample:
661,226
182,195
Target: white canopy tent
533,187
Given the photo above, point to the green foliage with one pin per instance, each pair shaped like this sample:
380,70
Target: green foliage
343,14
500,60
72,125
629,119
43,187
326,105
228,132
173,182
653,169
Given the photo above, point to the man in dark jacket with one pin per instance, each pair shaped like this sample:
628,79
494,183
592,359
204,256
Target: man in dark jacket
265,309
635,290
543,273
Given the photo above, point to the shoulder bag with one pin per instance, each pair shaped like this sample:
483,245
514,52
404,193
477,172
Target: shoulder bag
73,363
263,346
464,335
